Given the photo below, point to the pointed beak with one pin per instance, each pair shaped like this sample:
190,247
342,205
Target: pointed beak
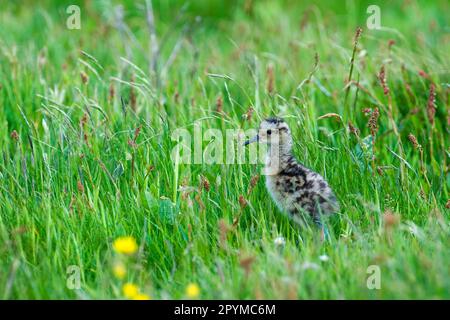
254,139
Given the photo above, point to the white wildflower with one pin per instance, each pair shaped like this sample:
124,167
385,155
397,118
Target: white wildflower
279,241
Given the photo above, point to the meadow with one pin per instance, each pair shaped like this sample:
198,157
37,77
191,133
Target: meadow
93,205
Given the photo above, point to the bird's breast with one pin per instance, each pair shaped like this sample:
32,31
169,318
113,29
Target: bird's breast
276,191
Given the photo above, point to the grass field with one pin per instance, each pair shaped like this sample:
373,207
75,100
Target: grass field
87,117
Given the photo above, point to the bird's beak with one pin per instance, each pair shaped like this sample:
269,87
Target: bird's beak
254,139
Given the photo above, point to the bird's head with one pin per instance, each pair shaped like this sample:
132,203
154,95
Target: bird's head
274,132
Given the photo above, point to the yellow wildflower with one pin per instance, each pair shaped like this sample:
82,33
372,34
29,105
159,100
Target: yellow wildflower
192,291
141,296
119,271
130,290
125,245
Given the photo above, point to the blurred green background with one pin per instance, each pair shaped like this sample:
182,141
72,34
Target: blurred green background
72,179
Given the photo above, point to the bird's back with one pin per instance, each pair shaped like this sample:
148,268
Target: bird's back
296,188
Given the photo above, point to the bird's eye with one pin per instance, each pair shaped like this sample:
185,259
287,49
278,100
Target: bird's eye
269,132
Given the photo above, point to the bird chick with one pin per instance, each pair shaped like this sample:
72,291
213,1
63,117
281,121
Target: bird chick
296,189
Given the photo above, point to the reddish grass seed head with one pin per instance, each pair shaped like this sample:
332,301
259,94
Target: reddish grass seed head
246,263
431,109
390,219
224,228
382,78
112,92
423,74
137,132
248,115
242,201
414,141
219,104
80,186
373,122
353,129
84,77
205,184
14,135
83,120
358,33
380,171
254,181
270,79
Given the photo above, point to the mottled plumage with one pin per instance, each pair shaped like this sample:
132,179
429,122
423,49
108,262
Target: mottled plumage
295,188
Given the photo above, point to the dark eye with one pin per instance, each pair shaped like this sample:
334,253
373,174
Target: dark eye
269,132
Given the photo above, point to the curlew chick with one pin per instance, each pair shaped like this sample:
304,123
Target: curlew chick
295,189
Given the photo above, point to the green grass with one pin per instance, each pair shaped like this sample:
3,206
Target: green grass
72,182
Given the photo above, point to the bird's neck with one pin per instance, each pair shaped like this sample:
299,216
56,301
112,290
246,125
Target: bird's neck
278,157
